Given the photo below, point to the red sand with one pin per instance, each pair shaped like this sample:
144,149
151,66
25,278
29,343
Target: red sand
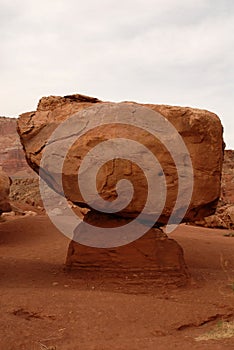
44,307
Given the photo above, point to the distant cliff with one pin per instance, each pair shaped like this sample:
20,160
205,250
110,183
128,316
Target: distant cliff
227,194
12,158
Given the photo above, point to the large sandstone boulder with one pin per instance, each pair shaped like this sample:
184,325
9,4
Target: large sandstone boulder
4,192
201,131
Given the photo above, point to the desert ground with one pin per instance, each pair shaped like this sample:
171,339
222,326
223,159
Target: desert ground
43,306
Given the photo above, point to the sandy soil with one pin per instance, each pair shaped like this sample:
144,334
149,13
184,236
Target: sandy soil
42,306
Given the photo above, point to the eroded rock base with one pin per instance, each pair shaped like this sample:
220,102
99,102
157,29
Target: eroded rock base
153,257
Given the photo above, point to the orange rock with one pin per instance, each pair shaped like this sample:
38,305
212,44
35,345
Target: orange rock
154,255
12,159
227,193
201,131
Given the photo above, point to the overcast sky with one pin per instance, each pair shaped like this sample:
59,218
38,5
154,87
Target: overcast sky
178,52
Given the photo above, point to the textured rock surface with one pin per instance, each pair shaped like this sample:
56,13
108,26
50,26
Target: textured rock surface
26,190
224,215
223,218
4,192
12,158
201,131
154,255
227,192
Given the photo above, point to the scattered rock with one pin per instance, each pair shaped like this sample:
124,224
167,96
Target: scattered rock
30,213
26,190
223,218
55,212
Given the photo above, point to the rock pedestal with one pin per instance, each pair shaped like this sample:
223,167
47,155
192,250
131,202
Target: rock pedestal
154,255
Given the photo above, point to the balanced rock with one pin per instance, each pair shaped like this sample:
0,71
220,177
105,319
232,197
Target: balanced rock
171,156
200,130
4,192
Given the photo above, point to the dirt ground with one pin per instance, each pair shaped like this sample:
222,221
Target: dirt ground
42,306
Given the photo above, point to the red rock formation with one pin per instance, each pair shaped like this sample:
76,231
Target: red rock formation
12,158
224,215
227,188
202,133
4,192
154,255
